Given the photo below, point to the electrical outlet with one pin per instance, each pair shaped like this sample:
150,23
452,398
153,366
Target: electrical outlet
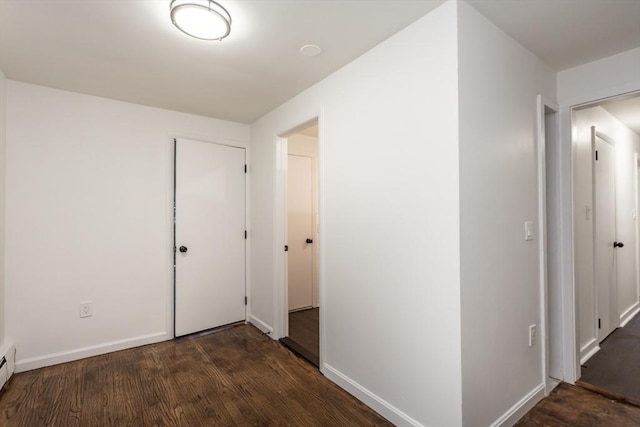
86,309
532,335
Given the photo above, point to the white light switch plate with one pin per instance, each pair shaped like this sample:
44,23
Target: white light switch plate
528,230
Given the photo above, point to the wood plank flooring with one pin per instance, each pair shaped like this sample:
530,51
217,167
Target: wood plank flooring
574,406
234,377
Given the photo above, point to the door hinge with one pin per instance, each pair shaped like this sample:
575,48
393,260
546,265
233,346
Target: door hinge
596,155
286,248
245,234
245,168
599,324
246,300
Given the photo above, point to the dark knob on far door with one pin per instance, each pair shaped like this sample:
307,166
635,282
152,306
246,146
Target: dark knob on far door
309,241
183,249
618,245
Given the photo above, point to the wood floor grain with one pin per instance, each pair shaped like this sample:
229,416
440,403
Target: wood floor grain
235,377
574,406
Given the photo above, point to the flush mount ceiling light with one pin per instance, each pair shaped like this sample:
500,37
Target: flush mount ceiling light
202,19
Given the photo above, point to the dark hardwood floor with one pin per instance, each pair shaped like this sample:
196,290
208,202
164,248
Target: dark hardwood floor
234,377
574,406
304,334
615,369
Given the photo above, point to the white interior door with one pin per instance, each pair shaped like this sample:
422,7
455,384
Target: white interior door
300,231
605,235
209,236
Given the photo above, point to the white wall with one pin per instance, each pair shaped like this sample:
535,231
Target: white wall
607,77
627,144
2,198
599,79
390,301
88,218
498,82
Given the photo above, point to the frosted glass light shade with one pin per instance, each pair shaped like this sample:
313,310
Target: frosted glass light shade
202,19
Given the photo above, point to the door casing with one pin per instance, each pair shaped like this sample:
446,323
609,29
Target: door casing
281,317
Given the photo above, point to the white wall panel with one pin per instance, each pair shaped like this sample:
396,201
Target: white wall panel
499,81
389,221
88,215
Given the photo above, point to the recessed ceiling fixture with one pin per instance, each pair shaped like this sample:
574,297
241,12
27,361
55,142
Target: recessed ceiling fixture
202,19
310,50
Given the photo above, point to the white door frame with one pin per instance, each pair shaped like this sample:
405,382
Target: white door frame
544,104
570,336
280,295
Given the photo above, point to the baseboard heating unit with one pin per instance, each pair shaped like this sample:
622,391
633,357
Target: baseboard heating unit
7,363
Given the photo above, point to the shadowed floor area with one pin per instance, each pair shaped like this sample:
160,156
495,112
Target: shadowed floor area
233,377
573,406
304,334
615,369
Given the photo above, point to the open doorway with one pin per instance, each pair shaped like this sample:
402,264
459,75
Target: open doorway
606,138
302,237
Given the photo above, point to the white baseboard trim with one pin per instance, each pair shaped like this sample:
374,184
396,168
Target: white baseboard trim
266,329
589,350
629,314
84,352
550,385
381,406
523,406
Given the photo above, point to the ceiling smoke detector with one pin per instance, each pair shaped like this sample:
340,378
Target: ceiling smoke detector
202,19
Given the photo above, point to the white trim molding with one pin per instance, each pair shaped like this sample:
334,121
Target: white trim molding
381,406
629,314
84,352
588,350
264,327
523,406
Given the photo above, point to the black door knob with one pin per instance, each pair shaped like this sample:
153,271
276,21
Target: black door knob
309,241
618,245
183,249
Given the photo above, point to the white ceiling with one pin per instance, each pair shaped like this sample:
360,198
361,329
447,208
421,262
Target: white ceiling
627,111
567,33
128,50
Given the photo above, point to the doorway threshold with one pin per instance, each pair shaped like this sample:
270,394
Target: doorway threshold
209,331
301,351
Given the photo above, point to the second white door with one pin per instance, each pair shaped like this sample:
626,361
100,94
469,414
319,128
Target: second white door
300,231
